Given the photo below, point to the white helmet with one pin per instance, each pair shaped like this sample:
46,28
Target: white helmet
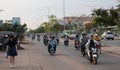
96,34
6,35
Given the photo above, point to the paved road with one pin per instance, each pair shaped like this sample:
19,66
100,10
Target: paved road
67,58
36,57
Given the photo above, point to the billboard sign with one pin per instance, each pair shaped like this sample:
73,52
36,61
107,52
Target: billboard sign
16,20
1,22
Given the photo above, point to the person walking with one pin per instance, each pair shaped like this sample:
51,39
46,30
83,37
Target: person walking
11,50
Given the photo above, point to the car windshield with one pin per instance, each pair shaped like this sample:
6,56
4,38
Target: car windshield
109,33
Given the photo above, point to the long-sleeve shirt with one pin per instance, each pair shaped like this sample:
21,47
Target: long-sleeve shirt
88,43
53,41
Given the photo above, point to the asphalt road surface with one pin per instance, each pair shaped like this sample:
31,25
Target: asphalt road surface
67,58
115,43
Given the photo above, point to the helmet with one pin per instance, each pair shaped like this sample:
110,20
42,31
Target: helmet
96,34
6,35
91,35
83,33
52,36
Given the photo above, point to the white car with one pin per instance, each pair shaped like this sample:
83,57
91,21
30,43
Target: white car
108,35
72,36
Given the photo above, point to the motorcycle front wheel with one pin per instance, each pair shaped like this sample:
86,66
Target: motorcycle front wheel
52,52
95,60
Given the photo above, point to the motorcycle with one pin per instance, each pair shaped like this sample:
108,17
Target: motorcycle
82,48
99,47
92,55
57,41
38,39
46,41
33,38
52,49
77,45
66,42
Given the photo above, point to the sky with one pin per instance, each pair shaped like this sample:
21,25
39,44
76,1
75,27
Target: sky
33,12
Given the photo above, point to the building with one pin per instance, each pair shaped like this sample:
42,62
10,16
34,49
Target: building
79,21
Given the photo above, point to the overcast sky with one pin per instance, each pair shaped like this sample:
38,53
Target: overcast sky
31,11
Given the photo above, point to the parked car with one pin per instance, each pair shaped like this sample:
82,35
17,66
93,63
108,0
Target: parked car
72,36
108,35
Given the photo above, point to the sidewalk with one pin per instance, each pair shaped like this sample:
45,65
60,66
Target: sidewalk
111,50
23,60
117,38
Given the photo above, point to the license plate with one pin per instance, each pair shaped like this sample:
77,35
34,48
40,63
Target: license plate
94,55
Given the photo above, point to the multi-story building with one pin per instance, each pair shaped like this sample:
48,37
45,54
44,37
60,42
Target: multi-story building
78,20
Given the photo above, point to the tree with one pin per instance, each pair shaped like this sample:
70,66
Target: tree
51,25
17,28
40,29
88,26
104,17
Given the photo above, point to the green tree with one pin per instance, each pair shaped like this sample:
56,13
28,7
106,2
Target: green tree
6,27
105,17
51,25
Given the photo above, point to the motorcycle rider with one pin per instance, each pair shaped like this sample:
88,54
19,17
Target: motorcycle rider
52,41
33,36
66,37
38,37
91,44
77,41
57,38
96,37
45,39
83,41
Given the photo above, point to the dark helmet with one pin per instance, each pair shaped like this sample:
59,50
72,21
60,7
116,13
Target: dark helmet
83,33
77,35
52,36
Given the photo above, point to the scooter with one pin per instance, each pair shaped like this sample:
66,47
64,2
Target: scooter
38,39
52,49
66,42
57,41
77,45
46,41
82,49
92,55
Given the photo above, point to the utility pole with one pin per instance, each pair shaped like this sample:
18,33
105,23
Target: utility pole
64,13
